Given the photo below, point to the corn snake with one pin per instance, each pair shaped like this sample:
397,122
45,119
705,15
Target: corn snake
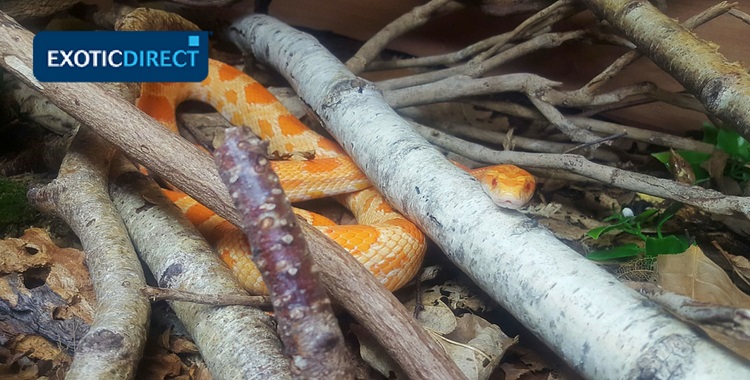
385,242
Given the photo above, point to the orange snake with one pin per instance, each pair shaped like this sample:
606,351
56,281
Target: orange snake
385,242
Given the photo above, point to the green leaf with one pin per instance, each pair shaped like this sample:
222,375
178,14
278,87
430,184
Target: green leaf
663,157
666,245
667,214
710,133
594,233
694,158
734,144
645,215
621,252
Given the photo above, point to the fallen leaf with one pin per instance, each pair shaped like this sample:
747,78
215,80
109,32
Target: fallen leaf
474,344
694,275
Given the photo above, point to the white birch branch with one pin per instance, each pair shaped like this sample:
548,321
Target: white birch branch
600,327
114,344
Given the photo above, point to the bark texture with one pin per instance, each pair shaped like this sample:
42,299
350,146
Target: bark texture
114,344
723,87
307,326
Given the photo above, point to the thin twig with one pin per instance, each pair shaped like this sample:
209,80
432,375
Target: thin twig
544,41
531,26
170,294
740,15
406,22
603,127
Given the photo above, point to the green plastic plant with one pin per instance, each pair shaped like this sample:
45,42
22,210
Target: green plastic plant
738,149
635,225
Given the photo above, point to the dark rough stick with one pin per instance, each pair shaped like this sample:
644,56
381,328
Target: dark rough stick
303,311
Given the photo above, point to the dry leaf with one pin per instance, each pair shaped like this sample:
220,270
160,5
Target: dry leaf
680,168
159,367
180,345
513,372
740,264
694,275
37,347
474,344
459,297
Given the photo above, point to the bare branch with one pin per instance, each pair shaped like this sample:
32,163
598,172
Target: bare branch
722,87
408,21
170,294
307,326
114,344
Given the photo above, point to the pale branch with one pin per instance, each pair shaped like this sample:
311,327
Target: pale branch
306,323
463,85
740,15
722,87
643,135
236,342
114,343
502,138
603,127
36,107
705,199
503,252
557,119
534,87
406,22
171,294
538,22
626,59
543,41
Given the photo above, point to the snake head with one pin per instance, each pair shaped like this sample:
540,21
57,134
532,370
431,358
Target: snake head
509,186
